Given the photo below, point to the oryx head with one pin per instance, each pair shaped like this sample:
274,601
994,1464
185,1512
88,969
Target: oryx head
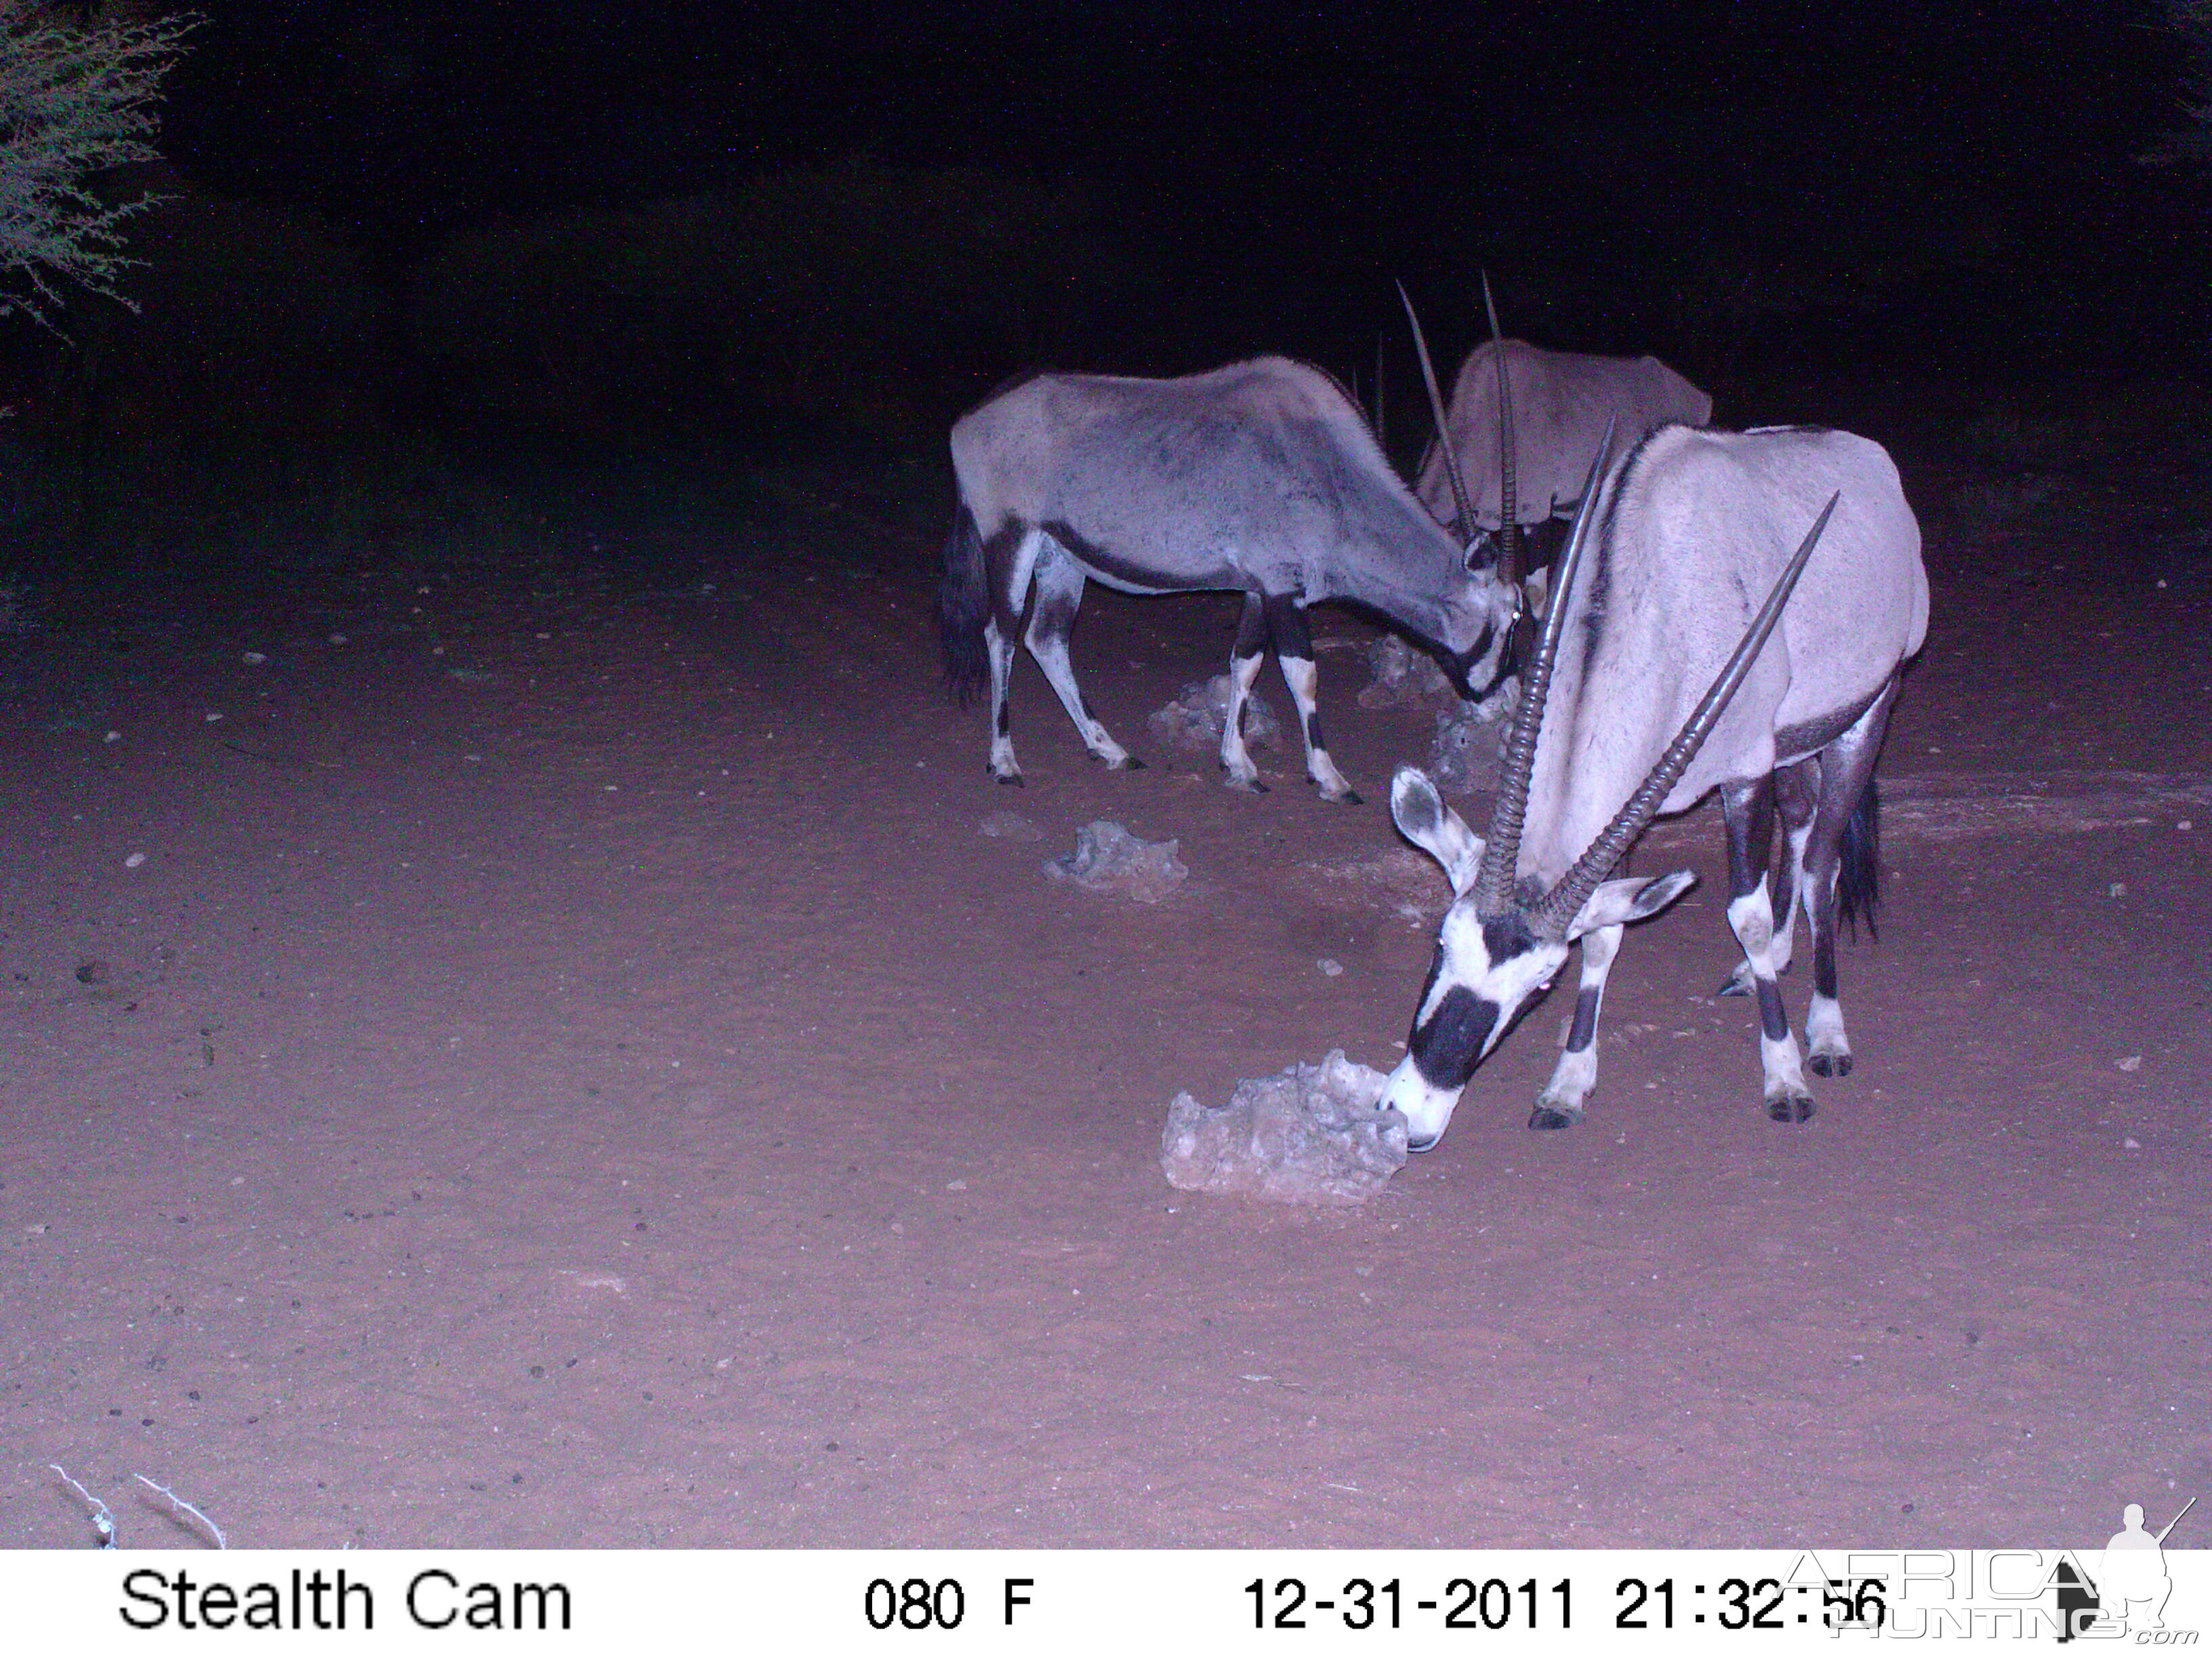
1477,632
1503,938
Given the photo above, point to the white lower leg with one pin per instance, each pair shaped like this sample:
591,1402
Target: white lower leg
1051,654
1785,930
1751,917
1001,652
1824,1032
1303,681
1576,1074
1235,759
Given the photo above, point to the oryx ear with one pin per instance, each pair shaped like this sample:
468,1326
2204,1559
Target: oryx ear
1424,819
1630,898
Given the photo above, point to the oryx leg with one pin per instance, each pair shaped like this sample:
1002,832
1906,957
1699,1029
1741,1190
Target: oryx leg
1796,794
1009,558
1244,660
1748,810
1286,626
1846,774
1058,580
1561,1102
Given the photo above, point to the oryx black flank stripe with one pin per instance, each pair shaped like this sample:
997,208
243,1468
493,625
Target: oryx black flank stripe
1089,554
1794,742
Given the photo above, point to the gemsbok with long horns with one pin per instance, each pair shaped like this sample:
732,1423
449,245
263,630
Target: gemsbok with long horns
1522,425
1660,678
1261,477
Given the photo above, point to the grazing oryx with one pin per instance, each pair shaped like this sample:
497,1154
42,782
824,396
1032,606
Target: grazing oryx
1524,423
1261,477
1679,542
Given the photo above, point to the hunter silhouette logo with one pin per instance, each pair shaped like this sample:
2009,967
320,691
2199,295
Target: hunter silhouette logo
2131,1585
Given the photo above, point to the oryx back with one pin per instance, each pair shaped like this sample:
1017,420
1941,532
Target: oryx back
1562,402
1689,534
1250,477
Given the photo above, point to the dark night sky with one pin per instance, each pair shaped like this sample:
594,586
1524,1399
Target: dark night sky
397,114
1784,189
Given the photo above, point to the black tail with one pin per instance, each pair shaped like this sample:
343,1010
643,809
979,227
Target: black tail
964,605
1858,878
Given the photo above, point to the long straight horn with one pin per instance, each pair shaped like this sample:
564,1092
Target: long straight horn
1436,407
1508,527
1557,913
1501,848
1382,429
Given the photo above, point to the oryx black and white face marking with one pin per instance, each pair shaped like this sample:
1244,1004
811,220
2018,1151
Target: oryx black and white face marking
1486,974
1489,970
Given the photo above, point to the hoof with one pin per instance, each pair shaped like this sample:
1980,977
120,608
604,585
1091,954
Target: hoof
1790,1109
1555,1117
1345,797
1131,764
1011,782
1830,1065
1247,785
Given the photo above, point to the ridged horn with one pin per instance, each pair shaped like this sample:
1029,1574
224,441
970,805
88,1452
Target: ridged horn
1501,848
1437,408
1551,918
1508,494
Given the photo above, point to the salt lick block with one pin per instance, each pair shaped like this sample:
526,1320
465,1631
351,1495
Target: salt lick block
1108,859
1193,720
1310,1134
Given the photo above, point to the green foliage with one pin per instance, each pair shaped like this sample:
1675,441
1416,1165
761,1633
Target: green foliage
77,101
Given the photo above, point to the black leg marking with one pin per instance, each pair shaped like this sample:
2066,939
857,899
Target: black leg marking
998,553
1773,1022
1585,1025
1846,777
1252,628
1748,810
1286,626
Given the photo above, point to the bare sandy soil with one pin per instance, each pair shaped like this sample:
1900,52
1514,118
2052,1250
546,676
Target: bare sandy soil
568,1070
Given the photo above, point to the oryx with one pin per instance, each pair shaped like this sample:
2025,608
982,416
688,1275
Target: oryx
1678,546
1261,477
1523,424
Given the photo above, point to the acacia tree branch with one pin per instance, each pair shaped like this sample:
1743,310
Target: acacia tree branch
77,101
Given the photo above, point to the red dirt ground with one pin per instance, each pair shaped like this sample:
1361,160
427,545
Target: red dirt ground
568,1070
